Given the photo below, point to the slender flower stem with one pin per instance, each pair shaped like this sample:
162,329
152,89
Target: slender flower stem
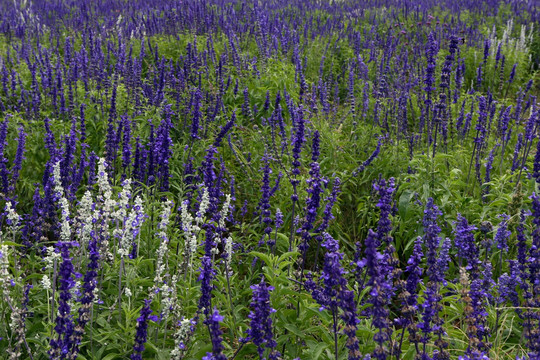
472,158
528,147
23,335
53,293
292,230
335,333
120,289
227,276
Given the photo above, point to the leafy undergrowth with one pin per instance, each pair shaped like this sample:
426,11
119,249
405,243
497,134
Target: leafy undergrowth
275,180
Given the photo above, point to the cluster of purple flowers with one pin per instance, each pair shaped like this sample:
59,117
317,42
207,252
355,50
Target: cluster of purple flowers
96,100
260,331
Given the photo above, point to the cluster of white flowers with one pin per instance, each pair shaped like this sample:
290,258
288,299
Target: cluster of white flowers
6,282
190,230
168,299
203,206
58,188
5,277
63,203
224,211
46,282
14,219
162,234
180,338
131,227
96,296
50,258
165,216
192,226
123,200
124,220
65,227
227,246
221,224
513,46
106,206
105,189
106,212
85,218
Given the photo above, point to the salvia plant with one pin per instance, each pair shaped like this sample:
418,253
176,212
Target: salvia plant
284,179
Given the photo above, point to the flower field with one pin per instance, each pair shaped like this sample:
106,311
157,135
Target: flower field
276,179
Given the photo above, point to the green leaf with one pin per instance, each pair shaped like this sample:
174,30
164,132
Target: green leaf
112,356
11,243
295,330
264,257
316,351
404,203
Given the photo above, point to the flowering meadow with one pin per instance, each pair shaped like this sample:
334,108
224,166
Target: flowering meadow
276,179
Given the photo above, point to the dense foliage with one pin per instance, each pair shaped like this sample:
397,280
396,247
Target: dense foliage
281,179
